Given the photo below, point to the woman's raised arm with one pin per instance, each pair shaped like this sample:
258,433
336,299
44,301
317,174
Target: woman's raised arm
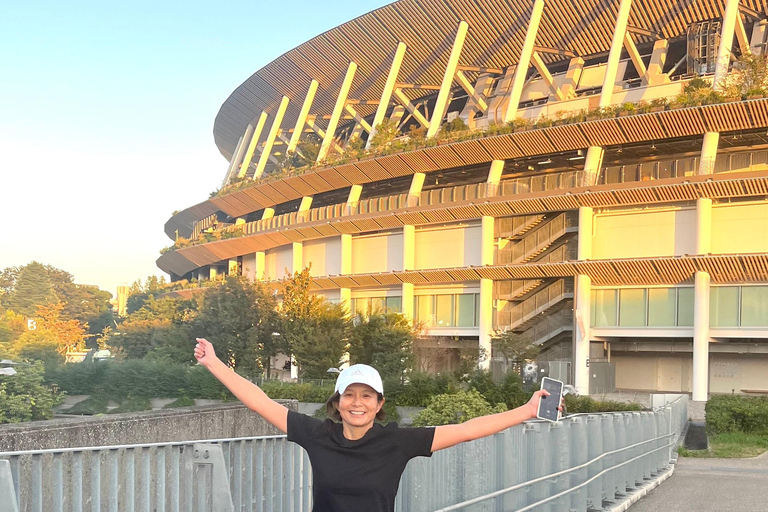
449,435
245,391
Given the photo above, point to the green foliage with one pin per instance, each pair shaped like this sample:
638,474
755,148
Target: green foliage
239,318
133,404
382,340
749,77
302,392
386,133
419,388
730,445
585,404
314,329
94,404
457,125
508,392
183,401
24,397
455,408
31,287
737,413
515,346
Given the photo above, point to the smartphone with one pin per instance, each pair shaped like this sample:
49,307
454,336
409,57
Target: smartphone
548,404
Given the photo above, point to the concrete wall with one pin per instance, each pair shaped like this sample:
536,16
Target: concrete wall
448,248
185,424
739,228
276,261
377,253
663,232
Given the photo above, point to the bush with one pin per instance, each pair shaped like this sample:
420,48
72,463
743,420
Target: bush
94,404
585,404
420,389
736,413
307,393
508,392
202,384
184,401
455,408
24,397
133,404
78,378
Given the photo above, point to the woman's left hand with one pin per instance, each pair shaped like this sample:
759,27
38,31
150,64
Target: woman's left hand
533,403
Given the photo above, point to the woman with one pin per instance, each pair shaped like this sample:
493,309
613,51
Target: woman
356,463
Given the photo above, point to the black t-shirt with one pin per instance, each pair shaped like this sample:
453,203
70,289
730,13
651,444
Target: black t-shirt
361,475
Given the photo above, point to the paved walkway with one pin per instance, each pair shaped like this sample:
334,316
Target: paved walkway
704,485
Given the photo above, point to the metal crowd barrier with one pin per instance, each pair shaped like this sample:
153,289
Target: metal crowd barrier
575,464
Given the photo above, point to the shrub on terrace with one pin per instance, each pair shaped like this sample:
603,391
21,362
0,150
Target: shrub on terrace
737,413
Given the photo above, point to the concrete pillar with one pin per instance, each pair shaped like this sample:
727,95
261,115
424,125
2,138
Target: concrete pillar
234,160
494,177
268,213
338,109
701,337
232,267
409,247
407,301
654,74
353,198
572,77
521,70
592,163
252,145
486,321
582,318
441,104
726,42
487,224
306,203
584,251
758,36
212,273
345,299
297,257
301,121
703,225
708,153
346,255
414,192
386,94
261,265
617,44
266,151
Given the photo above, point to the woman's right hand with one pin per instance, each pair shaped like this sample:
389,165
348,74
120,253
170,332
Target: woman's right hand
204,352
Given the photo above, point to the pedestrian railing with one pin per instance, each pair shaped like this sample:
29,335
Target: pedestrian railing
574,464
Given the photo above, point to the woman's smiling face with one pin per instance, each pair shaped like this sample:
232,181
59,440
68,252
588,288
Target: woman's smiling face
358,405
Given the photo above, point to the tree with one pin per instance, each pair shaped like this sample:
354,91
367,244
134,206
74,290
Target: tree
455,408
315,331
31,288
53,338
236,316
23,397
515,346
158,323
382,340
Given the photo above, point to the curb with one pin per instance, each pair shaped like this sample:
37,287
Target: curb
641,491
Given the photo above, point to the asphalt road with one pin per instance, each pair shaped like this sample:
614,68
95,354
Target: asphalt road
704,485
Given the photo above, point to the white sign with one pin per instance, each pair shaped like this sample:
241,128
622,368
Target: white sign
31,324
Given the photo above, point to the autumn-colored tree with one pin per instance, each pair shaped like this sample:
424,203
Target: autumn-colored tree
53,337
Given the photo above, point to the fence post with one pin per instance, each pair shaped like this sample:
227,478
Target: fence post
208,470
8,493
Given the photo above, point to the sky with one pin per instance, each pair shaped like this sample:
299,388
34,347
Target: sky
106,119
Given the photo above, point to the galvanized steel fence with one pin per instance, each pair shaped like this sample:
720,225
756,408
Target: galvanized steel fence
574,464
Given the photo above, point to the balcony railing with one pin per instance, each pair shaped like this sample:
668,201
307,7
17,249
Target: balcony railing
515,315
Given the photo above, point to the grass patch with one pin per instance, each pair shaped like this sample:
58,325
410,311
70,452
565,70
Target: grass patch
730,445
95,404
180,402
133,404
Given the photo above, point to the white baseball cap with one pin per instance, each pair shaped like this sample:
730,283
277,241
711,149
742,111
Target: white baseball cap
359,374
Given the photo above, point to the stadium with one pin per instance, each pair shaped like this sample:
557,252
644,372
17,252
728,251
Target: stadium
588,177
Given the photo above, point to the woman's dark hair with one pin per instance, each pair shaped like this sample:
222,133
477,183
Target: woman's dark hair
332,408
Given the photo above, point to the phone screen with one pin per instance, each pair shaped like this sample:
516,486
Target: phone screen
548,404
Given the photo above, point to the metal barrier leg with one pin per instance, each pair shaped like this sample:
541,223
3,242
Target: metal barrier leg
209,476
8,502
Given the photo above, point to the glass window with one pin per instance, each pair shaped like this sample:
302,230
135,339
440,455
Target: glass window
424,310
465,310
754,306
444,310
394,304
724,306
604,308
377,305
632,307
685,307
661,307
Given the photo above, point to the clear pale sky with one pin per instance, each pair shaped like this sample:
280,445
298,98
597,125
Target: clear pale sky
106,119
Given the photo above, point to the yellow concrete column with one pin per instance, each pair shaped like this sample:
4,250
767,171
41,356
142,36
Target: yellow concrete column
297,257
486,321
758,36
261,265
494,177
345,299
584,251
726,42
441,104
338,109
232,267
592,163
703,225
709,153
386,94
414,192
212,273
582,317
353,198
409,247
252,145
301,121
268,213
234,160
572,77
487,239
700,337
654,75
346,254
617,44
407,301
266,151
521,70
306,203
